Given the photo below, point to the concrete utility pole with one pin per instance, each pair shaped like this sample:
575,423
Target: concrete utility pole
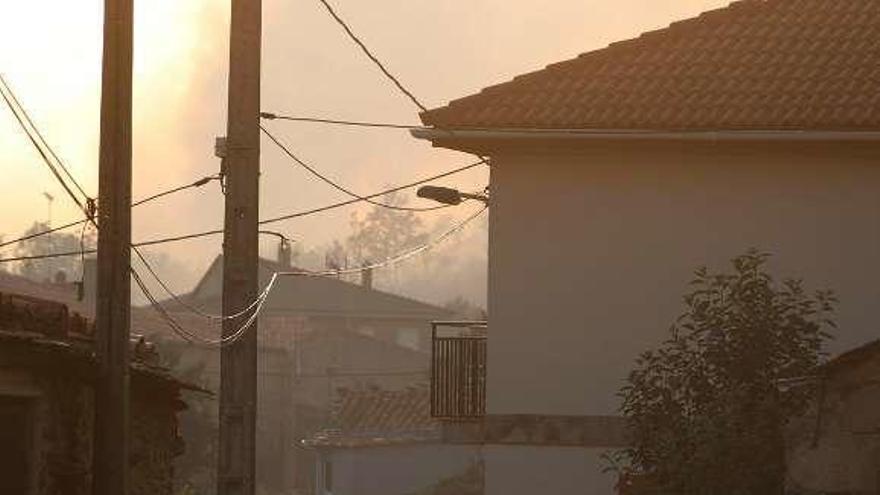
110,462
238,362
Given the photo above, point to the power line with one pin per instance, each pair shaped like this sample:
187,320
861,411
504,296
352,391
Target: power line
40,135
88,211
148,199
179,300
280,235
47,256
258,303
454,132
353,123
183,237
42,233
394,259
134,245
374,195
31,135
267,221
261,299
338,187
199,183
178,329
372,57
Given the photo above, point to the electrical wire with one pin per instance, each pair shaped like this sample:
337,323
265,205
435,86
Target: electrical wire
31,135
280,235
24,113
42,233
148,199
184,237
178,329
372,57
385,263
258,302
352,123
267,221
394,259
47,256
199,183
336,185
179,300
45,152
256,305
88,211
419,182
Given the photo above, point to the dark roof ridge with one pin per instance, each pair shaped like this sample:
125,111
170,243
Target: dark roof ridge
410,304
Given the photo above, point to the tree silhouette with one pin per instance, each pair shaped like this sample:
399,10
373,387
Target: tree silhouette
48,269
708,408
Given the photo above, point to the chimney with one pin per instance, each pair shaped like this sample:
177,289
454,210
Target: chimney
284,254
367,277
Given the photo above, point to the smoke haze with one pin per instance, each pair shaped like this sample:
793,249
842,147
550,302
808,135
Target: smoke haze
441,50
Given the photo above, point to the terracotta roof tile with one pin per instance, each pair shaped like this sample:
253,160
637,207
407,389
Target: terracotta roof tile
756,64
371,416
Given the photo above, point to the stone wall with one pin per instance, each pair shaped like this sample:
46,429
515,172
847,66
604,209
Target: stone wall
47,366
63,422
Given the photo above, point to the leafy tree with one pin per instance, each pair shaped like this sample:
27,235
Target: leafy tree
383,233
47,269
708,408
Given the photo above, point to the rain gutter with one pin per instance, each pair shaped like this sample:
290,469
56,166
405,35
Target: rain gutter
432,134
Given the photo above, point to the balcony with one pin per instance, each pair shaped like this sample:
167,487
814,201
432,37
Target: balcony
458,370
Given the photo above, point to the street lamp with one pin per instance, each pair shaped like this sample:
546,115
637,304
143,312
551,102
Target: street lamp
449,196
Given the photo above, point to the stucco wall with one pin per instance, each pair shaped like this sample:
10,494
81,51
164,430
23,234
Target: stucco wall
592,249
557,470
591,252
397,470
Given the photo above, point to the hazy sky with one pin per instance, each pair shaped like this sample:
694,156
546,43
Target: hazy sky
441,49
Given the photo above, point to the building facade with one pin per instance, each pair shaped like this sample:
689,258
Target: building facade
316,335
47,371
616,174
382,442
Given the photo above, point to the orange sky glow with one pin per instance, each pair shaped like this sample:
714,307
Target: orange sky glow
442,50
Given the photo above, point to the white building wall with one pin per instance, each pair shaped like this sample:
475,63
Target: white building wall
397,470
591,251
556,470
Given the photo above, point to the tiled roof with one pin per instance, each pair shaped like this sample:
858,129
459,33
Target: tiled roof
37,323
853,357
65,293
372,417
144,321
316,296
754,65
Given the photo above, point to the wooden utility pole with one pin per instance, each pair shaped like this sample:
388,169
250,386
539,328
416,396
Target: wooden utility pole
238,362
110,462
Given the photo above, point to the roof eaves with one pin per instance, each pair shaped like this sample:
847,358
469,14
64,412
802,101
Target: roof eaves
447,137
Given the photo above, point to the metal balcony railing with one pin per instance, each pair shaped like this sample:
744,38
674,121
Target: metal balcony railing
458,370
